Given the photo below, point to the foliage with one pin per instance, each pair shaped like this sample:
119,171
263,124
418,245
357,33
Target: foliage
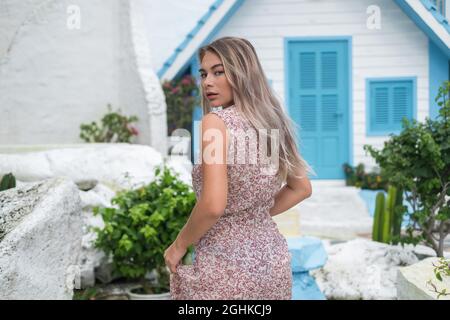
356,176
143,224
388,216
8,181
442,269
86,294
114,128
418,161
181,99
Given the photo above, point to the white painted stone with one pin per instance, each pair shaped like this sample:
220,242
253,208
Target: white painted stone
40,240
115,165
181,165
90,257
362,269
412,281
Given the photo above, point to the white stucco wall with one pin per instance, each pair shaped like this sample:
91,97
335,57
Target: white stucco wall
398,49
53,78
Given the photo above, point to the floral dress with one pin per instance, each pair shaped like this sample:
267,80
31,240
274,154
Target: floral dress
243,256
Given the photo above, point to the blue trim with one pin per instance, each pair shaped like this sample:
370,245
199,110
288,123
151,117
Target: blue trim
349,39
371,133
424,26
214,32
194,33
435,11
197,114
438,73
189,37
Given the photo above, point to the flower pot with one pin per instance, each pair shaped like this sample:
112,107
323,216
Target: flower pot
141,296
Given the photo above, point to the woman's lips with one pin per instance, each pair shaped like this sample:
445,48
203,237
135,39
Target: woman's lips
211,96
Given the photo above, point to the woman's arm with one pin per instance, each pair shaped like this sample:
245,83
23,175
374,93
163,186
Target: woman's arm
293,192
213,199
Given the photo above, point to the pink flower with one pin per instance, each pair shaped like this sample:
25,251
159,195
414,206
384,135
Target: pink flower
186,81
175,90
133,130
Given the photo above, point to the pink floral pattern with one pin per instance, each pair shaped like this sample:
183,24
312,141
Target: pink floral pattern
243,256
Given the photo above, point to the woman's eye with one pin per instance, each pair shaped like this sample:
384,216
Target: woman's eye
219,72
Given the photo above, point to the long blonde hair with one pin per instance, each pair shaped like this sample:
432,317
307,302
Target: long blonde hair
257,101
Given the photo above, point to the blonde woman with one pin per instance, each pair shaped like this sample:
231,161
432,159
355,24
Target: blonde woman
239,251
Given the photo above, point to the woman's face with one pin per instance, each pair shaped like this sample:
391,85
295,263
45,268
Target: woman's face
215,85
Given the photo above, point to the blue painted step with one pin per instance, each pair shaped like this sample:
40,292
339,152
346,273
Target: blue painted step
307,253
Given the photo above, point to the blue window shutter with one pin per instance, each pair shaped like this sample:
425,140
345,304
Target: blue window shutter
329,70
401,104
381,108
308,106
390,101
307,70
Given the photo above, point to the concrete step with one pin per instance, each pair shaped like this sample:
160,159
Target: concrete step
334,211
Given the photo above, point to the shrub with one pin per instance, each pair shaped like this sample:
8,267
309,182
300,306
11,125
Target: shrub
418,161
114,127
356,176
181,98
144,223
8,181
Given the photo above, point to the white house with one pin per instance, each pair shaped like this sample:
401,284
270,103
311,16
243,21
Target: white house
347,71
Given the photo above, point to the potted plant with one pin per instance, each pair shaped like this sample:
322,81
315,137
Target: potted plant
114,128
137,231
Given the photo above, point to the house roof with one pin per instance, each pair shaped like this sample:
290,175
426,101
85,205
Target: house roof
427,17
423,13
166,23
205,29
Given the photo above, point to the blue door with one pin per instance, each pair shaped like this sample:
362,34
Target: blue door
318,82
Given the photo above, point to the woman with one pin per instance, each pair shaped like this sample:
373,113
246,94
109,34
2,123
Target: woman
239,251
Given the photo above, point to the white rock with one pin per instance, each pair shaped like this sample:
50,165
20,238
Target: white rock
362,269
100,195
115,165
40,239
181,165
412,281
90,257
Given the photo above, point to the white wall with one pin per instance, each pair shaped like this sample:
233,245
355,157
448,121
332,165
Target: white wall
52,78
398,49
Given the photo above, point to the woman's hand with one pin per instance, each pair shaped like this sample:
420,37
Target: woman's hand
173,254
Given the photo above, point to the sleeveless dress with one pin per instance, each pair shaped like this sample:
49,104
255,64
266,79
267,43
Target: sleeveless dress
243,256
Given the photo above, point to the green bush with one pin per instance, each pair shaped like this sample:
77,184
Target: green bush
356,176
181,99
418,161
143,224
114,128
8,181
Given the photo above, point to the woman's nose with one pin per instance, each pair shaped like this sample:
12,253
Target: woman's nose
208,80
